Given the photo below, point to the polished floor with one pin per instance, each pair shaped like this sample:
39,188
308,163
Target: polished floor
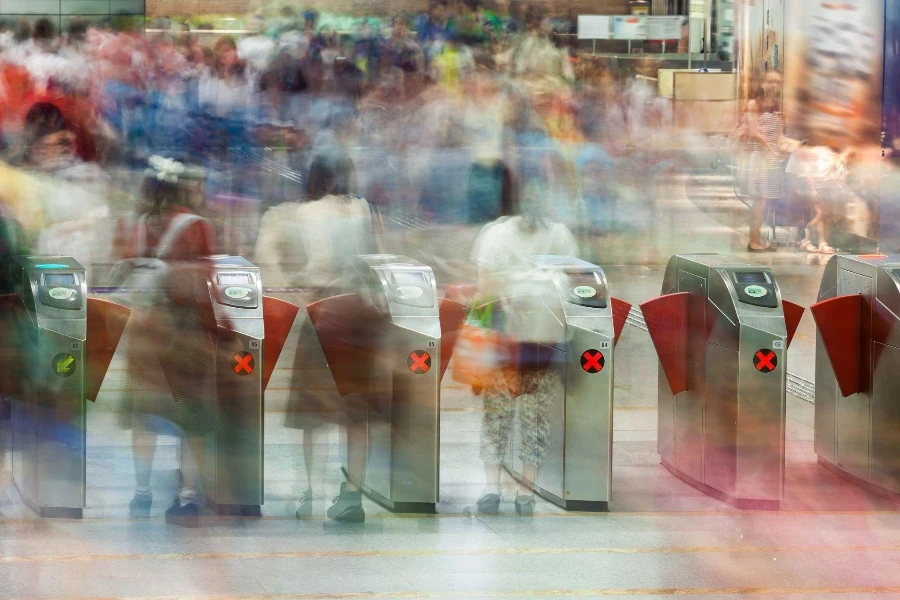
661,538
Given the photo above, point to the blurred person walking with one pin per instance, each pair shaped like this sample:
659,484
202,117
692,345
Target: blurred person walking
505,281
598,190
223,137
763,176
819,175
307,245
282,106
71,191
167,101
224,91
171,344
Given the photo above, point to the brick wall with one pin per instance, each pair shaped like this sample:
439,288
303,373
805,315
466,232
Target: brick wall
373,7
585,7
157,8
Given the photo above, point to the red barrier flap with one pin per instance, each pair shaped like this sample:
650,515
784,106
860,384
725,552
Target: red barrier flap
620,311
106,323
350,335
10,352
840,323
278,318
792,315
667,322
453,314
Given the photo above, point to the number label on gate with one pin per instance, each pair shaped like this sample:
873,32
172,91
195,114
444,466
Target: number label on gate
431,344
604,345
254,344
778,345
74,346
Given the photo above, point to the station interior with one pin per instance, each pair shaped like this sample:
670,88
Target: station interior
541,306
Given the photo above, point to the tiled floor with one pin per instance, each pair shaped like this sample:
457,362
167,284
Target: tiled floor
660,539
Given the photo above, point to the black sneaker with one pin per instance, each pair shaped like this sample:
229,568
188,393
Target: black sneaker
347,506
187,515
139,508
305,509
525,505
489,504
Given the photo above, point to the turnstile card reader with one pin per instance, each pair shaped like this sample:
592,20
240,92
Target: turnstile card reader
721,330
857,425
252,330
66,342
387,342
580,359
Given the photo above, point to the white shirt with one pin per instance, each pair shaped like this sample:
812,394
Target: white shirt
499,252
307,244
224,97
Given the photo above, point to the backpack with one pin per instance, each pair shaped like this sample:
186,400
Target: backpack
142,282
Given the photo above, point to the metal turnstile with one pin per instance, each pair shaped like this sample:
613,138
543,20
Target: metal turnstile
579,353
64,346
252,330
384,345
857,427
722,329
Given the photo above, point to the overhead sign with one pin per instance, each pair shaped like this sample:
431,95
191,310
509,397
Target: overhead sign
629,28
419,362
64,364
593,27
664,28
243,363
592,361
765,360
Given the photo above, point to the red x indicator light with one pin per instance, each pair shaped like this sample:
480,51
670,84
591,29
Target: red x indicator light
592,361
243,363
765,360
419,362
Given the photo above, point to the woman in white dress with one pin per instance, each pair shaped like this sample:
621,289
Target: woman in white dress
306,245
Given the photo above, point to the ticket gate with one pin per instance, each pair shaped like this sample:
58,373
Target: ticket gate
64,344
722,330
388,341
252,330
579,353
857,431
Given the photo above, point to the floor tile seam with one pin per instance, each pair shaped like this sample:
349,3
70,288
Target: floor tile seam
759,591
458,515
406,577
105,581
275,411
473,552
246,568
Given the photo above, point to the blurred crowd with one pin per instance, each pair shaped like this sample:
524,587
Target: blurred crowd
440,112
466,137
